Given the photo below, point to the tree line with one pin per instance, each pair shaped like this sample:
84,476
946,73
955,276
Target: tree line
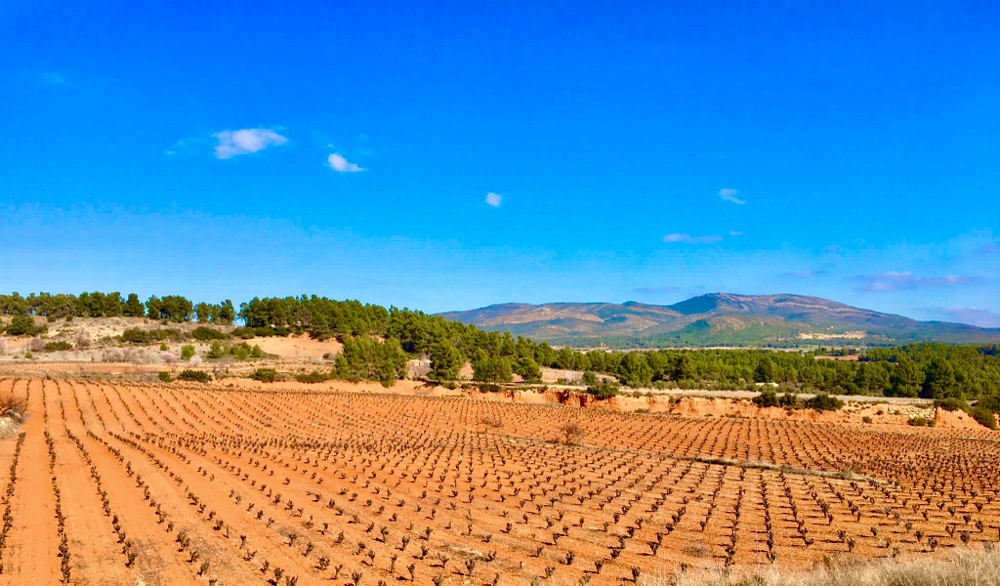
175,308
378,341
929,370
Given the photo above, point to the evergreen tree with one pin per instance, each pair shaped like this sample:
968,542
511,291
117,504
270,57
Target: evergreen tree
227,313
906,378
634,370
765,370
446,361
133,307
528,370
939,380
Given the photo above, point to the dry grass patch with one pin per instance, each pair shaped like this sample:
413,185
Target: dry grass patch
961,567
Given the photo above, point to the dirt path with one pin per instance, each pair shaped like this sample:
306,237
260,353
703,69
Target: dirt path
33,542
96,555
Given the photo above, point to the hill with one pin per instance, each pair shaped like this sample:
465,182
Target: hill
717,319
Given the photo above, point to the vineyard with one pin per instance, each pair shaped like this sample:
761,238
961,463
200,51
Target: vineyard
134,483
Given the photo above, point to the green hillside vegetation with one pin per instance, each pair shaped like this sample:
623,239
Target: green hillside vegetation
717,319
378,341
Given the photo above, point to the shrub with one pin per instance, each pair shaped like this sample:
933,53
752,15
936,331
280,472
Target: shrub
767,398
952,404
172,334
164,347
22,325
135,336
491,421
194,375
204,334
604,389
824,402
264,375
113,355
985,417
187,352
217,350
138,356
36,345
589,378
141,336
867,419
59,346
312,377
240,352
991,402
3,345
572,434
247,333
165,377
922,422
82,341
168,357
243,333
789,401
14,406
195,361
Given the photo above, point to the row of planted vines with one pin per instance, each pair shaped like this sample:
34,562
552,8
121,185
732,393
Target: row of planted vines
172,484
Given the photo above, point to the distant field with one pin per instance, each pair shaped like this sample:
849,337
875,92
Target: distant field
173,484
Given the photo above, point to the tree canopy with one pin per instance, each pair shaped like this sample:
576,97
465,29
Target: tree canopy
378,341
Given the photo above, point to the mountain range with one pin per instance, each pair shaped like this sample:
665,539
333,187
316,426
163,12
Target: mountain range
717,319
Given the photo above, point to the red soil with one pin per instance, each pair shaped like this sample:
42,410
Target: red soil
258,477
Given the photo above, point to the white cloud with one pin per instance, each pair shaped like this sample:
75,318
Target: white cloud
906,281
983,318
339,164
246,141
494,199
735,233
689,239
730,195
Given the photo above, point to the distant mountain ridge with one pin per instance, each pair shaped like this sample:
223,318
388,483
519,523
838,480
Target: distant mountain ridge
716,319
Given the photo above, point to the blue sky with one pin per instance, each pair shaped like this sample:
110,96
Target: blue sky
451,156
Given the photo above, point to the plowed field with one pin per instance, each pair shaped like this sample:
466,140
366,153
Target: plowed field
111,484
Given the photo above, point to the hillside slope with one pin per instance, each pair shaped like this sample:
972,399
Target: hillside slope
716,319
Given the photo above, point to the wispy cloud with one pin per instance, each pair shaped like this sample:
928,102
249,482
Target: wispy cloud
245,141
805,274
991,249
52,78
893,281
655,290
339,164
730,196
735,233
967,315
494,199
689,239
